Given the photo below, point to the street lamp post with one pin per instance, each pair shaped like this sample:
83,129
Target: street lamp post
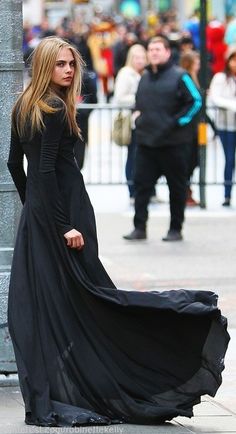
11,82
202,137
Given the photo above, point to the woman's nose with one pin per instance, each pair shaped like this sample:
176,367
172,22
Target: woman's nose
68,68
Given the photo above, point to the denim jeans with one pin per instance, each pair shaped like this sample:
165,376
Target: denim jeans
129,167
228,139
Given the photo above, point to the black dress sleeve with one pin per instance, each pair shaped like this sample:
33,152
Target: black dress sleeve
54,126
15,164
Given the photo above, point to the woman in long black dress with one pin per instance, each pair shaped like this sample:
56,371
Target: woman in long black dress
86,352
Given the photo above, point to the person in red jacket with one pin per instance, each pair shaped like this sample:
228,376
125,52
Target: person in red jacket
216,46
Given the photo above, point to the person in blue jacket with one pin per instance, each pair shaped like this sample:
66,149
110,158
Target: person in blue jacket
167,101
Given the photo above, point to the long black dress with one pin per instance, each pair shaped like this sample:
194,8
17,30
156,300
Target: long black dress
86,352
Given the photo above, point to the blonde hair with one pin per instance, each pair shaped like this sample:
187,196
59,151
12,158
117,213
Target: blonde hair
136,48
39,95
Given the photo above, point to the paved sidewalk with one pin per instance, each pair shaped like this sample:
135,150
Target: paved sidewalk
204,260
210,417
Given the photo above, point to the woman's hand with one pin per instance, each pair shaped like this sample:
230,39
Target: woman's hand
74,239
135,115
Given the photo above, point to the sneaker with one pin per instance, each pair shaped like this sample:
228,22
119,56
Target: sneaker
136,234
226,202
173,235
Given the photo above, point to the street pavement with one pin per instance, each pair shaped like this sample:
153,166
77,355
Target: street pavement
204,260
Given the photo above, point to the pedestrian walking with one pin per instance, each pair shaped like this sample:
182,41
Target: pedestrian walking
222,93
125,89
88,353
190,61
166,102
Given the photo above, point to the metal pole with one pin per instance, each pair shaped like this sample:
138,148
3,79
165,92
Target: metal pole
203,126
11,83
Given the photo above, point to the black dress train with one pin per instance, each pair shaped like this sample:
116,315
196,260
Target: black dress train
87,352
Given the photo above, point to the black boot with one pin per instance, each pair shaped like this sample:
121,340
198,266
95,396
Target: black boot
136,234
173,235
226,202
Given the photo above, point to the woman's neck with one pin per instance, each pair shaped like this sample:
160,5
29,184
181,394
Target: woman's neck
58,90
195,78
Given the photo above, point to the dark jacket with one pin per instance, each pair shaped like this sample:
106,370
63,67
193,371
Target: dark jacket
88,96
168,101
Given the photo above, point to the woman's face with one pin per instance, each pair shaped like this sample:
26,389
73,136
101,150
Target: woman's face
139,61
232,64
64,69
196,65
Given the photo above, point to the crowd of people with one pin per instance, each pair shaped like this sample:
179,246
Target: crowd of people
104,43
117,60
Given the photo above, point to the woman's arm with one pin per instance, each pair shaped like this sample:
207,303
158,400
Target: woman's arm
15,163
217,90
55,124
123,88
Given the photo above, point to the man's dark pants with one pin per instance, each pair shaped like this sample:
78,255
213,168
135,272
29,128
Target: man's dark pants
151,164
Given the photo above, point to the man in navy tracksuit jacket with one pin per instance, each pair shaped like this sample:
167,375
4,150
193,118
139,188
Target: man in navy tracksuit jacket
167,100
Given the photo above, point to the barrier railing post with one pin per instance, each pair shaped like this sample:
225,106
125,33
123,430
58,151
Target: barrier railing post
202,142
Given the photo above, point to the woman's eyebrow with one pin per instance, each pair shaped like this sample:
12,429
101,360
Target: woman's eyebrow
62,60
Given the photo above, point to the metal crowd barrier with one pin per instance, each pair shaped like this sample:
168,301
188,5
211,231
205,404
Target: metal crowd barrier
105,161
